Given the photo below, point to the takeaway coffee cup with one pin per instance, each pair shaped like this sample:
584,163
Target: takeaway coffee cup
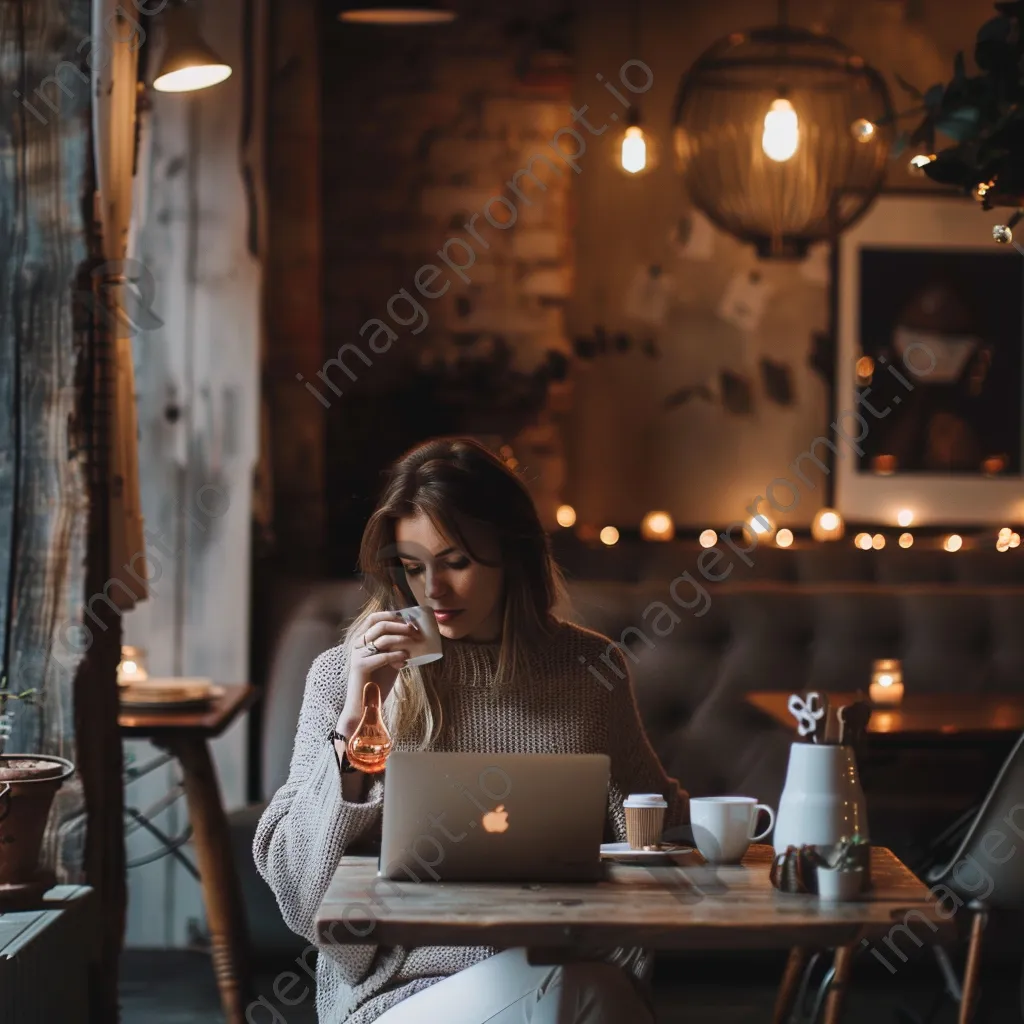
645,816
427,646
724,826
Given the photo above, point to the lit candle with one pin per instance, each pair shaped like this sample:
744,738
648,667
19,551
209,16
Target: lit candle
886,682
132,668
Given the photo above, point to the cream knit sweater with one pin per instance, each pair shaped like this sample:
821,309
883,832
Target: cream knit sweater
304,832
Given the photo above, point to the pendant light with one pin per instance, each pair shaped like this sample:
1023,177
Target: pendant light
411,13
634,153
188,63
783,136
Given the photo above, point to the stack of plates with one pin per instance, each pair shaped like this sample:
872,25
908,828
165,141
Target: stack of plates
169,694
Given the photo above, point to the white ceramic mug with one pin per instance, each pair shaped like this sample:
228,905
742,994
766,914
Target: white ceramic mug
724,826
427,647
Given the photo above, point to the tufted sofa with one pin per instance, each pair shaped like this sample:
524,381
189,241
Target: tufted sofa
794,620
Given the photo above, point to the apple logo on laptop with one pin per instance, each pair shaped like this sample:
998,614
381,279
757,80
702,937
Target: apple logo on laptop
496,820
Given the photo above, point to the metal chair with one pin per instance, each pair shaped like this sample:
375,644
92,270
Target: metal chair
985,874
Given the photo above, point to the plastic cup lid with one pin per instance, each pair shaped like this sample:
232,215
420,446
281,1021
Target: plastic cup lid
645,800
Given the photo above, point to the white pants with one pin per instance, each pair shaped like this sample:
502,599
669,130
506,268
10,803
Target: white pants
505,989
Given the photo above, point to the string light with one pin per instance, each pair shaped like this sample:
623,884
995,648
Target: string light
657,526
565,515
609,535
862,129
827,525
1014,540
784,538
954,542
708,539
905,517
906,540
863,541
878,542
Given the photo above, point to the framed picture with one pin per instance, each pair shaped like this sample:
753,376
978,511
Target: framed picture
930,377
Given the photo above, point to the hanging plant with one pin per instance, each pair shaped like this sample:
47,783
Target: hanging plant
983,115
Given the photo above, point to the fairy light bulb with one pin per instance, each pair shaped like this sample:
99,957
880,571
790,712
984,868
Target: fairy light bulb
633,156
781,134
370,744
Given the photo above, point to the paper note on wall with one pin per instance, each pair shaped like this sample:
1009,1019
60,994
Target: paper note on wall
648,295
744,300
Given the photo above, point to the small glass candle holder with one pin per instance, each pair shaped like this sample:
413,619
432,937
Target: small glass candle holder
886,682
132,668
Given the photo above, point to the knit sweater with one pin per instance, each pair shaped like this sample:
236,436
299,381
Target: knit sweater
307,827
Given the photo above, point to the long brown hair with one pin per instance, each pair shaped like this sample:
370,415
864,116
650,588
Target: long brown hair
455,482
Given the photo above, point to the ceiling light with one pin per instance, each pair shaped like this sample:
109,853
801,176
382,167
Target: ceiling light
188,62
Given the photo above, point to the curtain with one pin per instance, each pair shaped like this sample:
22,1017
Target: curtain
114,84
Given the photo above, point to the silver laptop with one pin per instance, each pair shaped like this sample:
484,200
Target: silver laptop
494,817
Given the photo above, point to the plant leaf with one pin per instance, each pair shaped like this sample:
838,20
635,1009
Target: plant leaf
933,97
907,87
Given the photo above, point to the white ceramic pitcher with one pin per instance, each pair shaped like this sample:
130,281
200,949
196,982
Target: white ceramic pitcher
822,800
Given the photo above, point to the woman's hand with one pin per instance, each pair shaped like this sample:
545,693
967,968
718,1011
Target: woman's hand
390,635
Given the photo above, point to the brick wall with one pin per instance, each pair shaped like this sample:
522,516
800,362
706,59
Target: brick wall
426,135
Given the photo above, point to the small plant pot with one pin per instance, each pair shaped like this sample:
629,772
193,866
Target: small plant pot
837,884
28,784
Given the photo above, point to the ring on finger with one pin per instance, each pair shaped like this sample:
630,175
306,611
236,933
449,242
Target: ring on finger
372,648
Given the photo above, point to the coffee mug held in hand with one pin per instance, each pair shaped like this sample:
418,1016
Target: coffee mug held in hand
724,826
427,646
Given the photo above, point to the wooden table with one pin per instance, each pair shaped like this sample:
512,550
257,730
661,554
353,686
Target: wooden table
185,734
685,904
922,719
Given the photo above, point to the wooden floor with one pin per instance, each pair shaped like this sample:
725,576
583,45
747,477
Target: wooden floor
177,987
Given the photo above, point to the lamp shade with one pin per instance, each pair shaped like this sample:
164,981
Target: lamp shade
410,13
188,63
782,134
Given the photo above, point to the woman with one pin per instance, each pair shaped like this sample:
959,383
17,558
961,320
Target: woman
455,531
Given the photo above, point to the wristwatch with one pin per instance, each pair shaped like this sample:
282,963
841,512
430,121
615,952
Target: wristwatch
345,766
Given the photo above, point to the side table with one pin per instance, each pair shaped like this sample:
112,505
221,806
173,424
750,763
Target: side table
185,735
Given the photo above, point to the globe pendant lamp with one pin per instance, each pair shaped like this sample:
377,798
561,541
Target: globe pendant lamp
383,13
782,135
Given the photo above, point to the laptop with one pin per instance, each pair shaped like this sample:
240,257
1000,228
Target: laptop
493,817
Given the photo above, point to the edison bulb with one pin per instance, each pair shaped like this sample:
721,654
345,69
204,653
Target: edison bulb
784,538
708,538
781,131
905,517
1002,234
609,535
634,150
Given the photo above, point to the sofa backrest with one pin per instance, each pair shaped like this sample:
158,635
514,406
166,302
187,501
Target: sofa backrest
691,668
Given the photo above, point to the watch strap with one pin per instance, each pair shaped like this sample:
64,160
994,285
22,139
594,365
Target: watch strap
345,766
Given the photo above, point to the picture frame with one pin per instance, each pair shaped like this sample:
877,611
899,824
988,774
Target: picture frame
929,332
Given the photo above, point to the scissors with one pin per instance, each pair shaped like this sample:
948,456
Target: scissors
808,713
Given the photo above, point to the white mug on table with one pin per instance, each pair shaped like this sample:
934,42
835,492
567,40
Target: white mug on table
724,826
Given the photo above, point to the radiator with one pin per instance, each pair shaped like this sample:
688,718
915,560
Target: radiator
44,959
